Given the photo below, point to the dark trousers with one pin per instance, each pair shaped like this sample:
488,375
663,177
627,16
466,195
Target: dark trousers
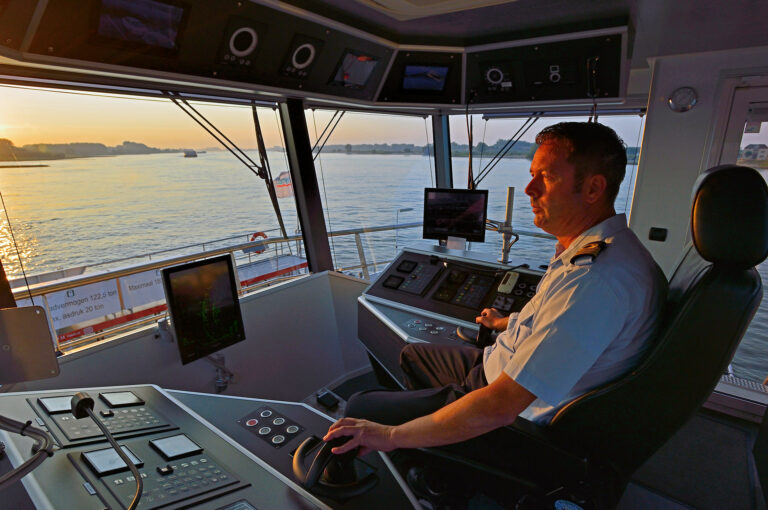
436,375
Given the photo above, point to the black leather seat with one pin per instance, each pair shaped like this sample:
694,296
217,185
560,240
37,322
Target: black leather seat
594,444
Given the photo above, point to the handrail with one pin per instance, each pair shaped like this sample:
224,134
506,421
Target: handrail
77,341
46,288
40,289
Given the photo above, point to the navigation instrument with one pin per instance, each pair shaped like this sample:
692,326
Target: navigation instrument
204,306
152,24
455,213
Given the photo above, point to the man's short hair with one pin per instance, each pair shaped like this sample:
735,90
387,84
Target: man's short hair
592,149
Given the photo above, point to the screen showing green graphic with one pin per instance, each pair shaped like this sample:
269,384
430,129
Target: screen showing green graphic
204,307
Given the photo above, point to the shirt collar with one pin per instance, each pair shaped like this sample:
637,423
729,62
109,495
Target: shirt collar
599,232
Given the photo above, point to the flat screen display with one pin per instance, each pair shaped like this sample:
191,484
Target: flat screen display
107,461
175,447
455,213
121,399
355,69
424,78
151,23
56,405
204,307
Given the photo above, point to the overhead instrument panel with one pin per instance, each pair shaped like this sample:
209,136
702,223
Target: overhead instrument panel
574,69
424,77
228,40
14,17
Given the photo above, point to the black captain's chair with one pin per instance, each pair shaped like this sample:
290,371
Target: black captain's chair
594,444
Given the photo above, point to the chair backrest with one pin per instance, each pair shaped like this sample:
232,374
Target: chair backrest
713,294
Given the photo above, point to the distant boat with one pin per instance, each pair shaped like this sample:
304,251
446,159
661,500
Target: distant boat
190,153
283,185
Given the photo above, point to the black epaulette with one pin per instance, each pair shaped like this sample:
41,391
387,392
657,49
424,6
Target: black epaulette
588,253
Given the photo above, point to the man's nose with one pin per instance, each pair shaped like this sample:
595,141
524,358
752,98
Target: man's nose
532,189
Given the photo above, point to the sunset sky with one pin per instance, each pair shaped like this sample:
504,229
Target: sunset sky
49,116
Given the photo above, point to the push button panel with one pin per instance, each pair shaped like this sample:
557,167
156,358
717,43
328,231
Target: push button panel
271,426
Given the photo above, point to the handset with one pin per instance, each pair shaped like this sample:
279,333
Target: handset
507,284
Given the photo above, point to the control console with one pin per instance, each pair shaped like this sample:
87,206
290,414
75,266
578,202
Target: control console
191,450
424,296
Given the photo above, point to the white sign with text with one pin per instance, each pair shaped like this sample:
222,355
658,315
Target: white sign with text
84,303
142,288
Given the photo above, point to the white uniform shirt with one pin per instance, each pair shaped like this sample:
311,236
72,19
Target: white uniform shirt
588,323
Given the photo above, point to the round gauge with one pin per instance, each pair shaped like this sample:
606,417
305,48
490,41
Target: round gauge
303,56
243,41
682,99
494,75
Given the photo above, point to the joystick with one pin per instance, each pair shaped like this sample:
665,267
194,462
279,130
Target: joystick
329,474
483,338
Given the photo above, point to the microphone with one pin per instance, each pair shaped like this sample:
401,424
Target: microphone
82,406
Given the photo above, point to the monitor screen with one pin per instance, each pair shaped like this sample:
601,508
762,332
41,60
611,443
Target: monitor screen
204,307
151,23
455,213
355,69
424,78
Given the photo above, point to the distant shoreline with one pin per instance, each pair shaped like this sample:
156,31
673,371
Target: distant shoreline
22,166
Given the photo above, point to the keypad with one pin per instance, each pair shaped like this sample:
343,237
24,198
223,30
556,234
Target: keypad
196,475
276,429
123,420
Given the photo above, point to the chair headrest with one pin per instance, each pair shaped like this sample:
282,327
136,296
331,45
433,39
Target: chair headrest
729,220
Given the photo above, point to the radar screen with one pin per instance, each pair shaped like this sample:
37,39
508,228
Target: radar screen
204,307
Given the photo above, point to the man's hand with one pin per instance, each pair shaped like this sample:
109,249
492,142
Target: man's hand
366,434
491,318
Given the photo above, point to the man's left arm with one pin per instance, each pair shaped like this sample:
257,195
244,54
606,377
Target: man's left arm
475,413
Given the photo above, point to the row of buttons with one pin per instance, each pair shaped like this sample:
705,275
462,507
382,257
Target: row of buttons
418,325
274,429
189,477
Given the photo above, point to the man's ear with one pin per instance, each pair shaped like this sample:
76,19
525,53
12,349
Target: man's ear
594,188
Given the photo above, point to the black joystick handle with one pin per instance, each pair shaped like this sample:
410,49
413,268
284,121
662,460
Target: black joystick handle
331,475
484,336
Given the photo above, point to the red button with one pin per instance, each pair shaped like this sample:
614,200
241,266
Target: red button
252,422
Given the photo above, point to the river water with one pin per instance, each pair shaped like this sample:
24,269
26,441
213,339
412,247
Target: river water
83,212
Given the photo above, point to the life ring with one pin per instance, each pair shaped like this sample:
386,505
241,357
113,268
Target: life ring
259,235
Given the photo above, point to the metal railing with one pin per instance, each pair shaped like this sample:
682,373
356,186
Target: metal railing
279,247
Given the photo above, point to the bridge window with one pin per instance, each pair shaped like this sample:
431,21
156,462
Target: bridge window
490,137
372,172
93,183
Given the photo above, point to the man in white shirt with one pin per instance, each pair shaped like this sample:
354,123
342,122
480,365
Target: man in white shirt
594,314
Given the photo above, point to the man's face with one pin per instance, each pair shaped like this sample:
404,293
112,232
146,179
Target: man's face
556,208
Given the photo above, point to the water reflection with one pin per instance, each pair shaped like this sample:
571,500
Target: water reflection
25,241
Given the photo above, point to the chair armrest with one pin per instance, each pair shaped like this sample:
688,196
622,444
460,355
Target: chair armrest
524,452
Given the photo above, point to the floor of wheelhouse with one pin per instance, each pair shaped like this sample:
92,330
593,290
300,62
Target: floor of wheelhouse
708,464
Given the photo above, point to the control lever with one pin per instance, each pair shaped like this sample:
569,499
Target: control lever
331,475
482,339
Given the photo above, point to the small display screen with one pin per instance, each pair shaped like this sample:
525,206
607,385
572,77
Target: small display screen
424,78
355,70
107,461
121,399
145,22
393,282
175,447
455,213
407,266
204,306
56,405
